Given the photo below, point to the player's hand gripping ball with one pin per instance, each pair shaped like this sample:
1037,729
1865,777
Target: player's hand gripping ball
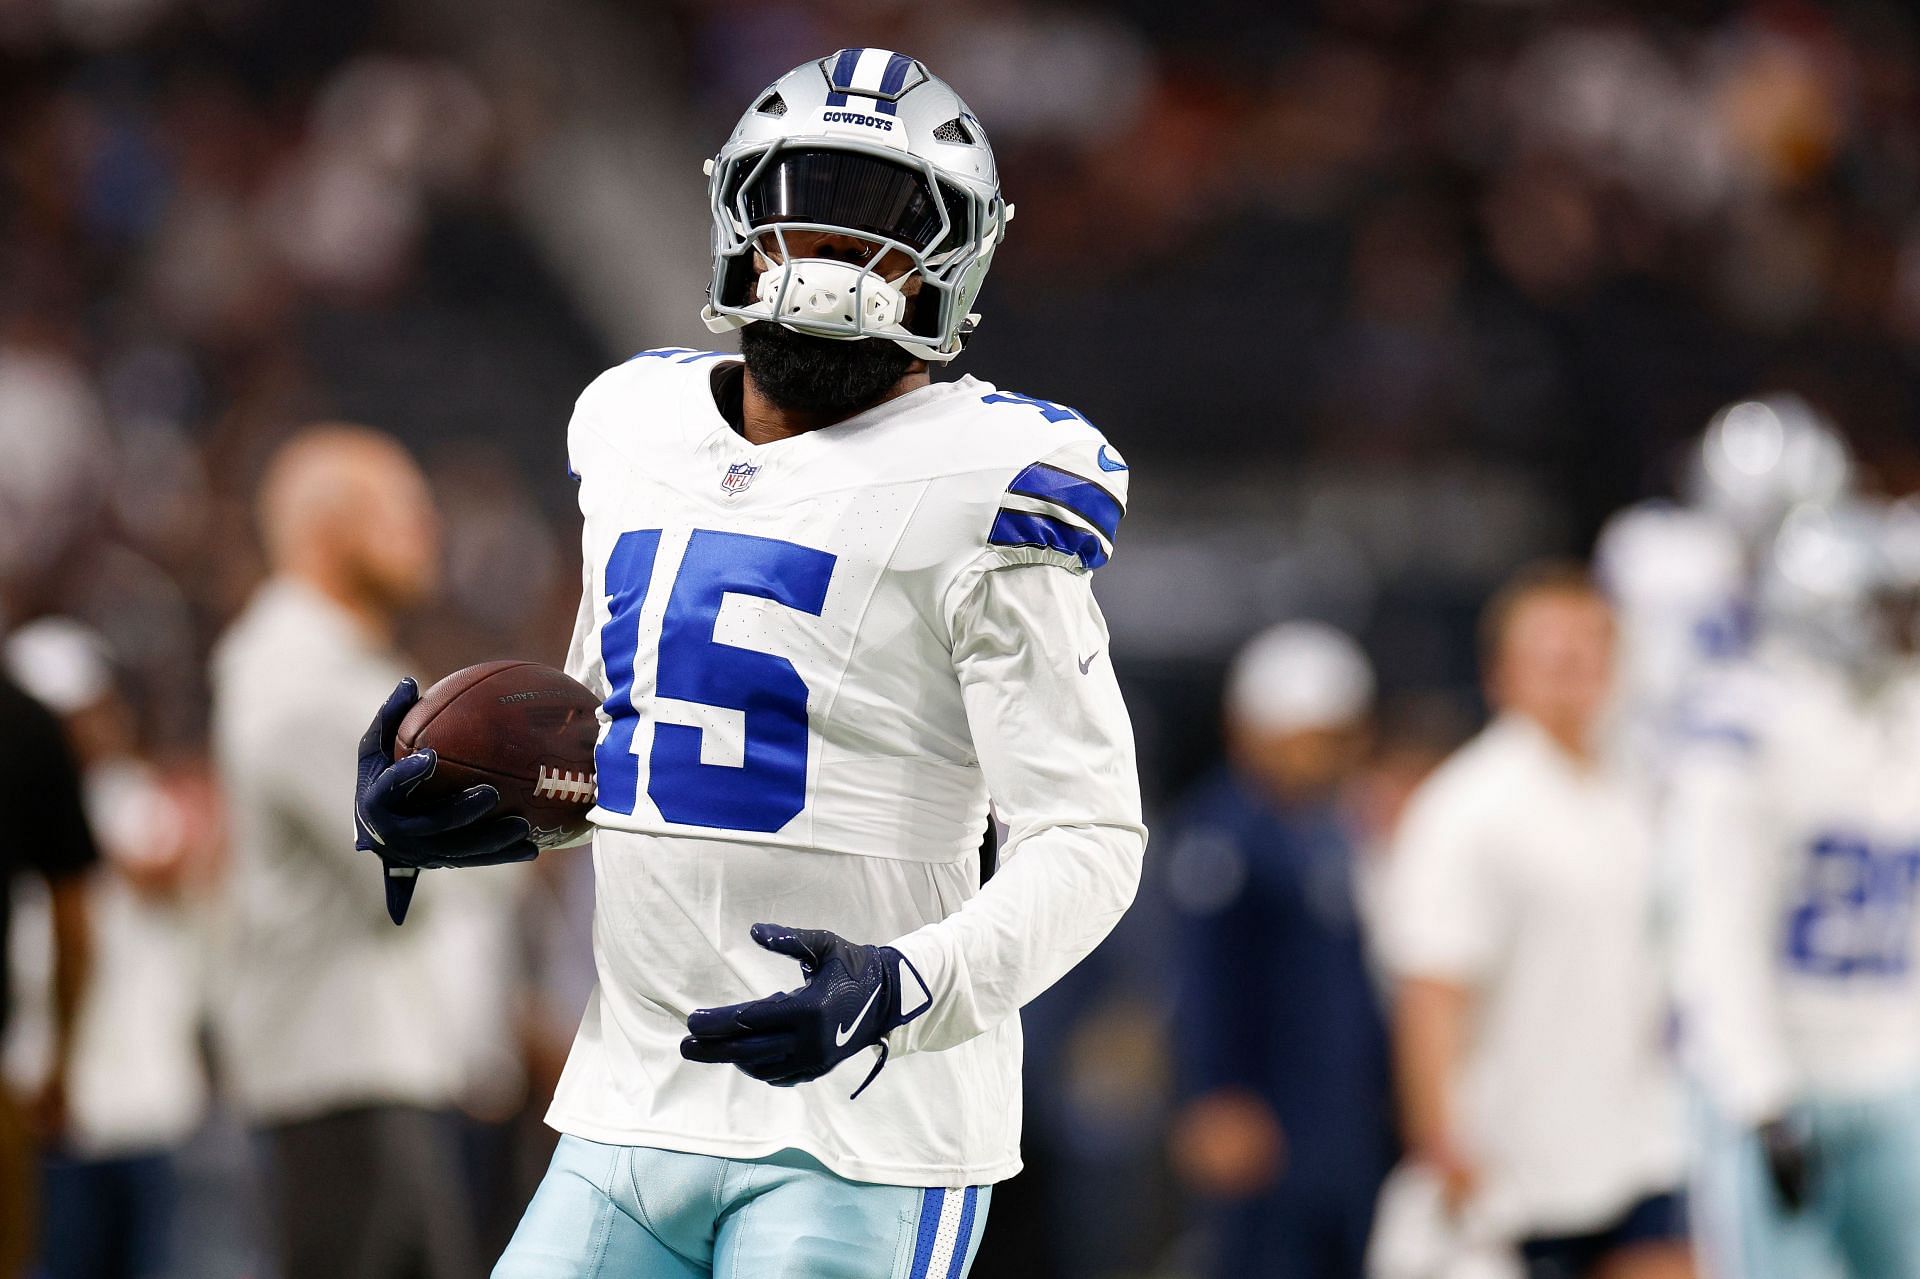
494,763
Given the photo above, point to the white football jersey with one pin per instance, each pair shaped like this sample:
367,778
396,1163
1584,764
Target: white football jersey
1678,582
1795,812
819,658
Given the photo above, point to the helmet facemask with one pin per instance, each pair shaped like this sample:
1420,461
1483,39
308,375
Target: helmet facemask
928,241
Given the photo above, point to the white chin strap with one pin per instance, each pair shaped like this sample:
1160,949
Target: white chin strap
823,291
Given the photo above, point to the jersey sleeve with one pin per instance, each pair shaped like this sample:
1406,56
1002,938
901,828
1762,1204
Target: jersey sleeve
584,661
594,462
1056,748
1063,509
1718,826
1442,910
1060,507
595,467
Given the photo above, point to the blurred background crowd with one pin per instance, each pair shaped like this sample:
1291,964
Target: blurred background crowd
1383,299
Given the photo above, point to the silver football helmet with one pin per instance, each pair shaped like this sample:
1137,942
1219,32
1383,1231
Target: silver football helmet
1761,458
1840,581
867,144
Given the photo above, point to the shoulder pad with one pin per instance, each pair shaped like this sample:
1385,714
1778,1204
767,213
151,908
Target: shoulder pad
1069,502
610,409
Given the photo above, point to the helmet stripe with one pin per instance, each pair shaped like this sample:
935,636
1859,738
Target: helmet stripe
842,77
869,69
890,83
872,73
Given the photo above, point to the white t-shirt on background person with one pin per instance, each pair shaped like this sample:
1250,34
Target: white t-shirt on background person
321,1003
135,1083
1528,877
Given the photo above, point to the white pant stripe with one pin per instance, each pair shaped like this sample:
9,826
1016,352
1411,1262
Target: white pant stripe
946,1239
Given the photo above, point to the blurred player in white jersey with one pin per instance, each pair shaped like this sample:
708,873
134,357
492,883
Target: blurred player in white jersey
832,607
1681,577
1795,808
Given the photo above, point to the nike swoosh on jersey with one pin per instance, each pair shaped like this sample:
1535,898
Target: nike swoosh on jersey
1107,461
841,1034
1086,663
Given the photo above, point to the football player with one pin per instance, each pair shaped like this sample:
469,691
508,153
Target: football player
1682,577
832,606
1794,809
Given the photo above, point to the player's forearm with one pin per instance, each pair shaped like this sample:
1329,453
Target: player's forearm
1726,964
1430,1028
1056,751
1058,896
1737,1045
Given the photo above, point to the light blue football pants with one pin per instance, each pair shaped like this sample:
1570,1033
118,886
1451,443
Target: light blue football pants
1863,1220
633,1212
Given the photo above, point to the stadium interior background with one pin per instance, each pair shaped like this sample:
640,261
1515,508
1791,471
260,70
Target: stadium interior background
1380,297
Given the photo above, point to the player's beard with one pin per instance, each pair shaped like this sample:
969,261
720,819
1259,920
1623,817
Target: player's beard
803,373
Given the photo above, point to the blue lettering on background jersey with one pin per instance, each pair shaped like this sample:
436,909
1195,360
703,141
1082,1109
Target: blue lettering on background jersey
1855,917
768,788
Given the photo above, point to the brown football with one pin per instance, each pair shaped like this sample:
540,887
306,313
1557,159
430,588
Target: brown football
526,729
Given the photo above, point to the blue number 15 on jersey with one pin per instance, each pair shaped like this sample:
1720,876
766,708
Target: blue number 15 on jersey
769,787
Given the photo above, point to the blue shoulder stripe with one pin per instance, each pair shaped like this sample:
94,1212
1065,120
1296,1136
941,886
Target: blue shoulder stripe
1024,528
1083,497
678,354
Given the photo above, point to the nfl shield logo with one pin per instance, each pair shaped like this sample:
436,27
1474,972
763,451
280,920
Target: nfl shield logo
738,476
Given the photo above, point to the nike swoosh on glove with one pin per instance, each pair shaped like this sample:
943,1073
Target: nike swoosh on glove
853,998
412,836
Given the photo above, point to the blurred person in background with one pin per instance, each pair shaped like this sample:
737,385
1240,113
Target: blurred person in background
1518,919
486,977
1682,576
1282,1043
332,1030
1760,460
135,1085
1795,815
39,793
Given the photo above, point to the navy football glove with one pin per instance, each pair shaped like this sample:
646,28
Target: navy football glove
410,837
852,998
1791,1161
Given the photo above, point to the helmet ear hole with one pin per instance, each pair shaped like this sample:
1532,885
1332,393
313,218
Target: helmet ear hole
736,281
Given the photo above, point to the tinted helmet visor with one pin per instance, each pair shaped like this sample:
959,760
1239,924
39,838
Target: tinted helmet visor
850,190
